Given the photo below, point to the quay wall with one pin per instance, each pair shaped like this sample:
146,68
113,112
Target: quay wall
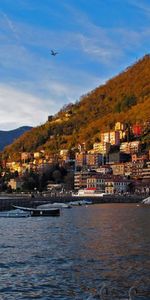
6,203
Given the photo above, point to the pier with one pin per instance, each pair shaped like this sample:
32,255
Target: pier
7,202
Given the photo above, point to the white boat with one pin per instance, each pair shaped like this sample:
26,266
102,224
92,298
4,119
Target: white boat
80,202
146,200
17,213
88,193
53,205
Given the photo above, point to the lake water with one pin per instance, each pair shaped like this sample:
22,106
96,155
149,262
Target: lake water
70,256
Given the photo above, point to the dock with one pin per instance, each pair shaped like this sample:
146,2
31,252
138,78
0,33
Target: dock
7,202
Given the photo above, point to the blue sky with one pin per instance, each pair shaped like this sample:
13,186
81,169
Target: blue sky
96,39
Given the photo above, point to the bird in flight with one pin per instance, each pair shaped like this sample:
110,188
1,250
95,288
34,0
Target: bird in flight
53,52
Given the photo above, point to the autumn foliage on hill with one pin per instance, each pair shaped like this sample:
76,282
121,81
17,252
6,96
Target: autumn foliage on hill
124,98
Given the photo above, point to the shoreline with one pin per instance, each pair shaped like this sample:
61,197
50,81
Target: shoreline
7,201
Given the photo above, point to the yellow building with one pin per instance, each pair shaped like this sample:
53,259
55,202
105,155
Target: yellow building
15,183
112,137
118,168
102,148
130,147
64,154
119,126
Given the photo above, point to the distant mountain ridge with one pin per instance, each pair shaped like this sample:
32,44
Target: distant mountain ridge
124,98
8,137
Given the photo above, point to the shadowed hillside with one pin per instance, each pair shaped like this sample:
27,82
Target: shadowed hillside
125,98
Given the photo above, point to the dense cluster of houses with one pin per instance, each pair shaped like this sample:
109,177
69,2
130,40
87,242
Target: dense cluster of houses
116,164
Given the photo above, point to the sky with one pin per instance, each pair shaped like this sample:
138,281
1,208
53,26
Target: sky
95,40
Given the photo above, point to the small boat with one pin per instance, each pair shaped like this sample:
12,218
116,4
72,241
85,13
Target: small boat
17,213
54,205
40,212
61,205
89,192
80,202
146,201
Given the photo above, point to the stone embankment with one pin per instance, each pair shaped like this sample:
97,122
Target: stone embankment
7,202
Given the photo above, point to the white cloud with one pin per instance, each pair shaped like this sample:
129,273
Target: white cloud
34,84
20,108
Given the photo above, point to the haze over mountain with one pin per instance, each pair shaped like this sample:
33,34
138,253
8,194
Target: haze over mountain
124,98
8,137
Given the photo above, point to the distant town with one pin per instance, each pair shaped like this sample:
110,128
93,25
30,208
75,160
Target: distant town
117,164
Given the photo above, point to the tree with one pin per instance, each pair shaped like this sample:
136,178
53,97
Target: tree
29,184
69,181
57,176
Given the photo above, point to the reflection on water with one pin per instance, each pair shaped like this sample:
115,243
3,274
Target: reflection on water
71,256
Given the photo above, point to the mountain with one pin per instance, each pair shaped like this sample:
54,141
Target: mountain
124,98
8,137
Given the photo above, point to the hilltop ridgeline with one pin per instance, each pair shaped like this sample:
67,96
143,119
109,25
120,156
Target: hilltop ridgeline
124,98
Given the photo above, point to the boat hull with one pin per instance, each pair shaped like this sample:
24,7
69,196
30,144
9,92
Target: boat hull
35,212
45,213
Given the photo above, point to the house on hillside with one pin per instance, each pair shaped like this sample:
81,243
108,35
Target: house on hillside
15,183
112,137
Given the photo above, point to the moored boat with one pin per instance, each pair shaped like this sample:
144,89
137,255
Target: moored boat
80,202
88,192
17,213
146,201
54,205
40,212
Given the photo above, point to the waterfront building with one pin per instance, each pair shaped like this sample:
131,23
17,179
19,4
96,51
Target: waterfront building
116,185
146,171
80,179
142,187
96,182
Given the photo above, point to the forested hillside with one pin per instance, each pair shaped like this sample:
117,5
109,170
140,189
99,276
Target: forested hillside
125,98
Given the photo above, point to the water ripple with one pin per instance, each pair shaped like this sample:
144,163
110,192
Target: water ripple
71,256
